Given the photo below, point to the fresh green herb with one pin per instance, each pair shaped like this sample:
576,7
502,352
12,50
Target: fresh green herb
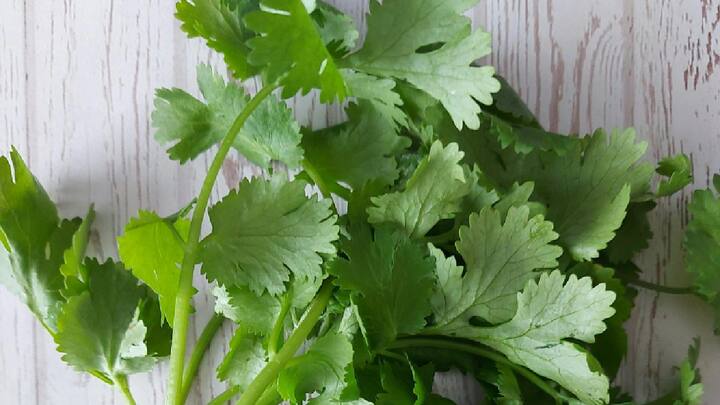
450,229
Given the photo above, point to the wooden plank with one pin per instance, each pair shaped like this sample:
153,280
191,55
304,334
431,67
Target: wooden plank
18,335
676,89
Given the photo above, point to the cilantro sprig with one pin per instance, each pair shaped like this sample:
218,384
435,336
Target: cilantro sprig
445,227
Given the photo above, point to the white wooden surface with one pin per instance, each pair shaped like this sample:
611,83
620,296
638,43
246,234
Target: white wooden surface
76,87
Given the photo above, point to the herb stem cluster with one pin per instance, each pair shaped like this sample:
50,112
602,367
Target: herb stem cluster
272,369
185,290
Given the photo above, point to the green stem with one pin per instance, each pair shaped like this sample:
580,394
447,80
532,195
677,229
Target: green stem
270,396
461,346
198,353
185,289
269,373
279,327
122,383
392,355
663,288
225,396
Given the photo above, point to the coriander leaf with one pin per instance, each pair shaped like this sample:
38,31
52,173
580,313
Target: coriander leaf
245,359
397,27
679,171
633,235
33,241
586,191
321,370
73,268
159,334
500,258
255,313
270,133
517,196
702,247
480,195
690,390
266,230
690,387
549,311
336,29
508,387
379,92
525,139
386,268
408,384
611,346
400,31
434,192
510,107
222,27
290,49
362,150
99,330
153,248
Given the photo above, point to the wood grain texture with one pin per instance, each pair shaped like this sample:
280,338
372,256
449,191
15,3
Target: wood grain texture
76,87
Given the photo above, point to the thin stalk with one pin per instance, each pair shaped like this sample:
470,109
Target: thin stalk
185,289
225,396
276,334
198,353
392,355
270,396
270,372
663,288
461,346
122,383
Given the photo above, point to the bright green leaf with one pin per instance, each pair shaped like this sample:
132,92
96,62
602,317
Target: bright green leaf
336,28
386,268
586,191
34,241
611,346
265,231
245,359
98,330
500,258
679,171
362,150
549,311
690,387
434,192
398,30
193,126
153,248
321,370
379,92
222,27
702,247
255,313
73,268
291,50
